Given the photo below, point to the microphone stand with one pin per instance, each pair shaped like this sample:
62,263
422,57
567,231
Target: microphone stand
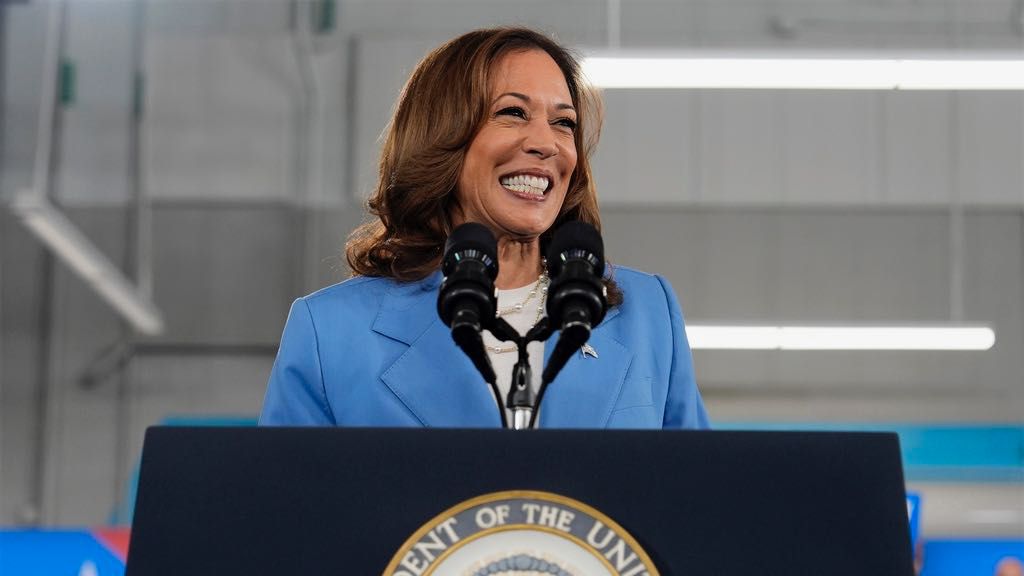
521,398
525,404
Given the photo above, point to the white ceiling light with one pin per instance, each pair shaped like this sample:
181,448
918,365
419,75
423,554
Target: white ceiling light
804,73
994,516
706,337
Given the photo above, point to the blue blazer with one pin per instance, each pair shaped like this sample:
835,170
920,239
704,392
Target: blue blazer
373,352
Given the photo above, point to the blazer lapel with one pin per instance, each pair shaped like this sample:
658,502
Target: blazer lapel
433,378
441,387
584,393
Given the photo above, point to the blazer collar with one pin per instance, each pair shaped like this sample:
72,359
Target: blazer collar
441,387
408,309
433,378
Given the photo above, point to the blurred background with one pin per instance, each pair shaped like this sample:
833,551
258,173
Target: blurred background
173,173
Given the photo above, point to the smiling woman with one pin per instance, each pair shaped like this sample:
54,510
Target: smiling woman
498,103
494,127
517,168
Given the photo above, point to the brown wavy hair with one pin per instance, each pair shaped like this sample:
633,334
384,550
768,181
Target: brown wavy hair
442,107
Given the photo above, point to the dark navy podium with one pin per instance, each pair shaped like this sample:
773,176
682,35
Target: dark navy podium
252,501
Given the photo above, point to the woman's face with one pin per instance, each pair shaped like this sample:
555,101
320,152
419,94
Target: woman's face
517,168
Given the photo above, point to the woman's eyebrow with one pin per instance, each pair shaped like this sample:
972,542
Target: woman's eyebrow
522,97
525,98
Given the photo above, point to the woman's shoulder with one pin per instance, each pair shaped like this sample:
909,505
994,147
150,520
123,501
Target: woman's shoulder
644,294
358,291
362,292
353,287
631,279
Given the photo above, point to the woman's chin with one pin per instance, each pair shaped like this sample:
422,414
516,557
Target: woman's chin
527,223
529,228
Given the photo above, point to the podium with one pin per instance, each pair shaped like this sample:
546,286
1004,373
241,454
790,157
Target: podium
405,502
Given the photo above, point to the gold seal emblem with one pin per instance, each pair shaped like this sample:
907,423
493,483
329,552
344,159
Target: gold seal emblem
521,533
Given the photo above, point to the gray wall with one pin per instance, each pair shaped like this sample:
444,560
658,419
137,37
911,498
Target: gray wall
766,206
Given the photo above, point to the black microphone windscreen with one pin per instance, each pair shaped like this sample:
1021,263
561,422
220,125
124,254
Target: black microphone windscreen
475,237
575,239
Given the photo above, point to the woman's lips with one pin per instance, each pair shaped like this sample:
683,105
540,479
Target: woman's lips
527,182
530,195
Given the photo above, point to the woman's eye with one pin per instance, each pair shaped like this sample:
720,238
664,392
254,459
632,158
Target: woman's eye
567,122
512,111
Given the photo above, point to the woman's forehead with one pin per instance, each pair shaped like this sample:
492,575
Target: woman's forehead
530,73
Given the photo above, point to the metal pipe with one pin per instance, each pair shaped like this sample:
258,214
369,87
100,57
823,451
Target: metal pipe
613,18
2,403
956,205
305,107
140,229
139,252
351,106
3,73
48,97
47,163
956,259
64,239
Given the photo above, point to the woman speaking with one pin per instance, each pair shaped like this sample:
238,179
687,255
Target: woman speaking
494,127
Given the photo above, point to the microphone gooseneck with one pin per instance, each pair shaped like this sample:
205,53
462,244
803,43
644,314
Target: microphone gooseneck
577,296
466,302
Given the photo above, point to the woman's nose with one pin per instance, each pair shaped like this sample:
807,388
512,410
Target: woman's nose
540,140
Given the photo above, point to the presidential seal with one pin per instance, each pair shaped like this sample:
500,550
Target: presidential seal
521,533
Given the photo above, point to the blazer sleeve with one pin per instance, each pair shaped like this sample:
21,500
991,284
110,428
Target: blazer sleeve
684,407
295,394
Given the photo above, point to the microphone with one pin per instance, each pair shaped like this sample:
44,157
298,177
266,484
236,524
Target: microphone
577,297
466,302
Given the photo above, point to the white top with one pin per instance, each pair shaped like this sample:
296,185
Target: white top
522,321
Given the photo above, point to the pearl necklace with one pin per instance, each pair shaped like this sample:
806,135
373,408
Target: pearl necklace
540,286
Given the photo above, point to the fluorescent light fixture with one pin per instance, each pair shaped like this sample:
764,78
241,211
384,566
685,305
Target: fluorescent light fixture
705,337
804,73
61,236
994,516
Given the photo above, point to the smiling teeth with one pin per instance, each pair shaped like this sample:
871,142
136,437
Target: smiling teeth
526,184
